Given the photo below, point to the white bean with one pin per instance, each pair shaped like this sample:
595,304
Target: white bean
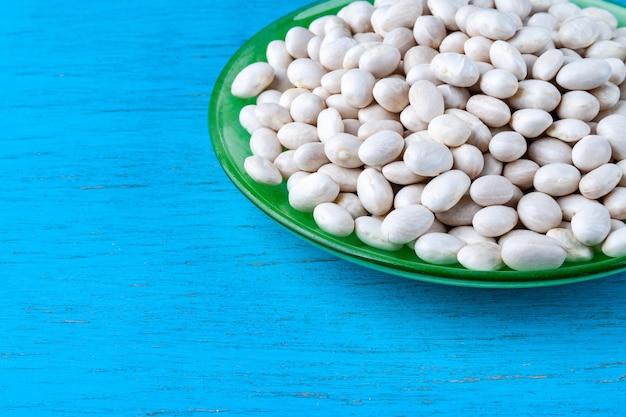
272,115
438,248
584,74
426,100
580,105
311,191
521,172
262,170
499,83
343,150
294,134
613,127
615,202
491,190
590,152
548,64
368,230
397,172
549,150
557,179
392,93
505,56
591,224
334,219
539,212
251,80
346,178
615,243
381,148
305,73
449,130
405,224
568,130
357,86
535,94
445,190
481,256
531,123
455,69
428,158
508,146
494,221
375,192
406,196
469,159
490,110
381,60
600,181
532,252
264,142
310,156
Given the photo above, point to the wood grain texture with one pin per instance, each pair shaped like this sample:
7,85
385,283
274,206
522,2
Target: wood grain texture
137,281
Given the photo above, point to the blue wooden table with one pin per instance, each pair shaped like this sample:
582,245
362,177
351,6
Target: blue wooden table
137,281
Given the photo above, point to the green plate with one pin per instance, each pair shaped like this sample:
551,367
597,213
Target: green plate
230,143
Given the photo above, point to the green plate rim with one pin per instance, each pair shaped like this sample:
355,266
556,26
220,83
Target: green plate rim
225,132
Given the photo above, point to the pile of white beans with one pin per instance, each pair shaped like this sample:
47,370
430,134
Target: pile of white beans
490,133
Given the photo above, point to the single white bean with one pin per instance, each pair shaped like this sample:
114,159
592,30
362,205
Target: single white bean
397,172
600,181
591,224
615,243
310,156
381,60
481,256
557,179
368,230
264,142
535,94
539,212
438,248
311,191
428,158
532,252
491,190
334,219
530,123
584,74
426,100
580,105
449,130
591,152
343,150
294,134
357,86
251,80
455,69
615,202
613,127
568,130
499,83
548,150
405,224
381,148
469,159
445,190
508,146
305,73
494,221
521,172
375,192
505,56
490,110
262,170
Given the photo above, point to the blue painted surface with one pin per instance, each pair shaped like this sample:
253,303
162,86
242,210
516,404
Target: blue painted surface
138,282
